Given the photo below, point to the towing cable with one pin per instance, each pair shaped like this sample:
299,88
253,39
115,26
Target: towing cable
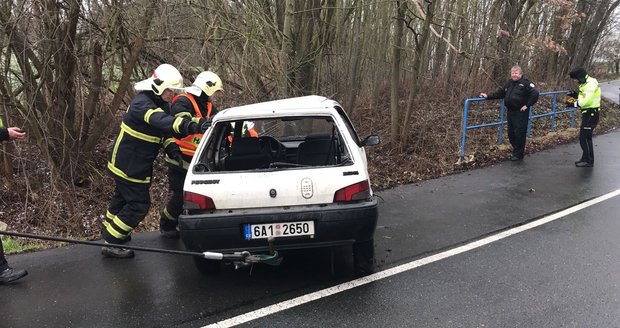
239,259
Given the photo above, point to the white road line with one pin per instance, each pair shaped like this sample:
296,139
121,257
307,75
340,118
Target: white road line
284,305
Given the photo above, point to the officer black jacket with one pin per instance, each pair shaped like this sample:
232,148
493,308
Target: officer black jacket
4,134
517,93
144,125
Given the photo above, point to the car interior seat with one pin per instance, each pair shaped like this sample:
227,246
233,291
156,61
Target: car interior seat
246,154
317,150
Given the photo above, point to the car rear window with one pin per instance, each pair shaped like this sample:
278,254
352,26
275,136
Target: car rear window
274,144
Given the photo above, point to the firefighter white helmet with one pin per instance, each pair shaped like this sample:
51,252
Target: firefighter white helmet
164,77
208,82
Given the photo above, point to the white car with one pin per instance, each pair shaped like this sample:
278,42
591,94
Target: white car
291,171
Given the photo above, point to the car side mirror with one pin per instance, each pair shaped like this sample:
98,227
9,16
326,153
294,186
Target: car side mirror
371,141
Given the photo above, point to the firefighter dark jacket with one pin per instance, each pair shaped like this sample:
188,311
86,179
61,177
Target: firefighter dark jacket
517,93
143,128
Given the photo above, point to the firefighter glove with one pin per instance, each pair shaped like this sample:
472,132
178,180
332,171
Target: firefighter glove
191,127
204,124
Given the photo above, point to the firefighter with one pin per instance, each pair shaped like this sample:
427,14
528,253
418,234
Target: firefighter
141,136
589,103
8,274
194,103
519,95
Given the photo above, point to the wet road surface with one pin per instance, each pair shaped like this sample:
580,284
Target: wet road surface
611,90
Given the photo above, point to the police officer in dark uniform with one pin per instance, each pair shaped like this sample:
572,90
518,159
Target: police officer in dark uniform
519,95
194,103
8,274
144,126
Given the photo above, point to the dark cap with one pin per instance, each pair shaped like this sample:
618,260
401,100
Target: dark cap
577,73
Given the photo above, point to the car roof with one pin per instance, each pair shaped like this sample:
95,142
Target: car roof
308,105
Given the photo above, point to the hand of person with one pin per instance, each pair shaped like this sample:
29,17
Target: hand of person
573,94
204,124
483,95
16,133
523,108
571,102
200,127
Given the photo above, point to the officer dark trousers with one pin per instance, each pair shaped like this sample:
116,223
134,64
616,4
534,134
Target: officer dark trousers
589,120
517,131
170,214
129,205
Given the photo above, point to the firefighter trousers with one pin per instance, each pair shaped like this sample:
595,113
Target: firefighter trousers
169,217
129,205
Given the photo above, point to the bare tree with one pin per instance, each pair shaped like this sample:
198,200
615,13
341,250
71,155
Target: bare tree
286,51
401,8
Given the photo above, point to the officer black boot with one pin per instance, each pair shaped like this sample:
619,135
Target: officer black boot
584,164
9,275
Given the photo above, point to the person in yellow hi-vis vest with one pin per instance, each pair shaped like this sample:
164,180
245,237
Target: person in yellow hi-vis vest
589,103
194,103
8,274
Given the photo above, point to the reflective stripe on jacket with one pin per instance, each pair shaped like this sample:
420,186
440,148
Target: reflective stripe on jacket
589,94
144,125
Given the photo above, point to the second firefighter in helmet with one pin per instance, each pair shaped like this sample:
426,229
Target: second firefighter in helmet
194,103
142,132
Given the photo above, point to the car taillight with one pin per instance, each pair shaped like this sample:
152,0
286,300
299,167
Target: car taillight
357,191
194,201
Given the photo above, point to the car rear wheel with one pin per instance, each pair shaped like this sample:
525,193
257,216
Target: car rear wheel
364,257
208,267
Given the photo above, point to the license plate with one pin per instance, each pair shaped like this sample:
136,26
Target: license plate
288,229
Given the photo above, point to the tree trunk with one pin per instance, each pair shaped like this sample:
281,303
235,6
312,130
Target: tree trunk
307,47
592,31
441,47
419,63
508,30
395,81
150,11
286,50
457,27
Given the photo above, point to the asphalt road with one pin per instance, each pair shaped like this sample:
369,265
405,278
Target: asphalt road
563,273
611,90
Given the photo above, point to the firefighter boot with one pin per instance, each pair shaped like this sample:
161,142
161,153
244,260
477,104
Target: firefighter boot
119,253
168,228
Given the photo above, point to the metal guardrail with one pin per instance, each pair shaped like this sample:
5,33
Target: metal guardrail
501,122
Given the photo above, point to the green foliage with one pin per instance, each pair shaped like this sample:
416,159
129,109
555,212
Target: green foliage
12,245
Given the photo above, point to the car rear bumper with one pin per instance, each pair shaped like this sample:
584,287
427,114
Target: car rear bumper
334,225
